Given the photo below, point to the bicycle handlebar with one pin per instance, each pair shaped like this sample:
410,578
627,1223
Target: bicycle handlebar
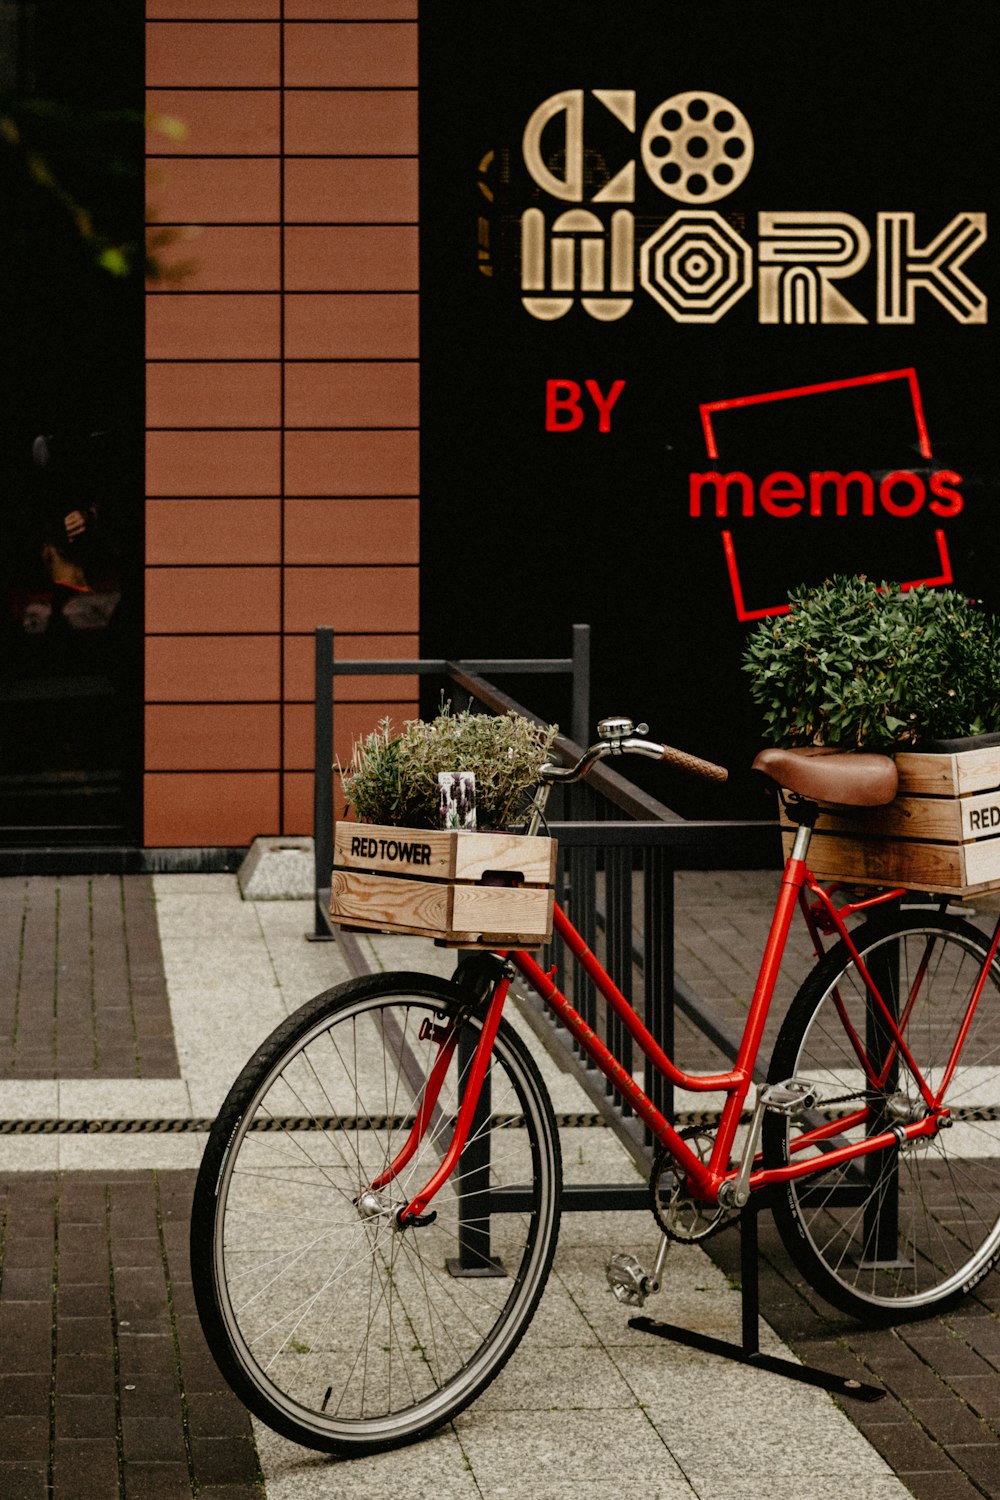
692,764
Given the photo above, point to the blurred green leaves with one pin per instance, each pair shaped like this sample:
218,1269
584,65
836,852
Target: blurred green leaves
72,185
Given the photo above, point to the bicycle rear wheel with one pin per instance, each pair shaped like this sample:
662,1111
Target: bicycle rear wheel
335,1327
900,1233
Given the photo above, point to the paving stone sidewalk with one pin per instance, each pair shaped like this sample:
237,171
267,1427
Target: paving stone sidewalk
107,1391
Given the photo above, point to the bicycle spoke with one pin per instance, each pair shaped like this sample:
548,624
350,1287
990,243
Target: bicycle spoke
929,1219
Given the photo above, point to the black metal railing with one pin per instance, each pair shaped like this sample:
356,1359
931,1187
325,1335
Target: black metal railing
619,852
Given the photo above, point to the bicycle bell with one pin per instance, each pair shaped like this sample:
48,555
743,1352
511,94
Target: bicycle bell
616,729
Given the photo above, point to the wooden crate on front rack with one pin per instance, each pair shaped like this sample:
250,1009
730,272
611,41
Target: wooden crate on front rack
462,887
942,832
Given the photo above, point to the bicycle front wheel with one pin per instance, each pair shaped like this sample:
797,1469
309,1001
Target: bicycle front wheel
901,1233
333,1325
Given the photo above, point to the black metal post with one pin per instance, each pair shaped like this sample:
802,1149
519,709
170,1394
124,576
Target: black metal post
323,776
580,716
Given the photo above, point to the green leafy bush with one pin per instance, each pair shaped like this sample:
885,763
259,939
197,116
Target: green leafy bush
392,777
856,663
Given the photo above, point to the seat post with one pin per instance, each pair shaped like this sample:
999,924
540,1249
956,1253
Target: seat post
805,814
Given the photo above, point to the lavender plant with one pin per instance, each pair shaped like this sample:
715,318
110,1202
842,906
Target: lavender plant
393,778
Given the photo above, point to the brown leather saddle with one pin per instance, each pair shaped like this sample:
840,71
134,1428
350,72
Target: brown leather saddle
849,778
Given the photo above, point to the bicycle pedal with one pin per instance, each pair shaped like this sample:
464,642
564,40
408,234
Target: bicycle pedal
628,1280
787,1097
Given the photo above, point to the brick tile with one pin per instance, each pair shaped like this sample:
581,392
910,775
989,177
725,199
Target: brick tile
84,1336
200,1372
23,1481
25,1439
948,1356
219,1459
24,1395
210,55
202,668
157,1481
380,258
352,531
214,190
226,808
86,1242
213,463
215,395
84,1374
938,1484
980,1461
950,1421
25,1337
349,326
190,258
348,10
350,56
906,1447
351,599
213,10
219,122
200,601
348,394
352,463
84,1300
348,123
85,1468
85,1416
981,1392
146,1354
157,1436
298,789
364,190
26,1283
218,1414
210,736
207,530
195,325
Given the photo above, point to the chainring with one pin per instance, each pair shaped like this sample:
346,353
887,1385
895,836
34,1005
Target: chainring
679,1215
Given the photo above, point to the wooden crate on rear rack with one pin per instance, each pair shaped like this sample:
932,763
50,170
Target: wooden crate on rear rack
461,887
942,832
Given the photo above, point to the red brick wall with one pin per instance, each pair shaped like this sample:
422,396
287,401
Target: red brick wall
282,396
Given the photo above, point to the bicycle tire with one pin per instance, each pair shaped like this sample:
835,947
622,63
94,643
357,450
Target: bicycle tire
340,1331
898,1234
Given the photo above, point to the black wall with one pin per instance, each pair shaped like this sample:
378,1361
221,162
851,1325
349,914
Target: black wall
854,109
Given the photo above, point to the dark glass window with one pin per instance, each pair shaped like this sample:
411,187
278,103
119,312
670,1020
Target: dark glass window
71,284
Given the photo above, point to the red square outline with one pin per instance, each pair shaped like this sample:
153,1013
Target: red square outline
708,407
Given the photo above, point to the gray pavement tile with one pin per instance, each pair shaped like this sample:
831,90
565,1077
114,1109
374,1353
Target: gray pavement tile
712,1486
777,1441
563,1452
435,1469
558,1380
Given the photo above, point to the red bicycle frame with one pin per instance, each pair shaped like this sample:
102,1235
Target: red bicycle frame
704,1179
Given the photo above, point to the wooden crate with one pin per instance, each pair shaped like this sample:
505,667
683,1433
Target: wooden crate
447,884
942,832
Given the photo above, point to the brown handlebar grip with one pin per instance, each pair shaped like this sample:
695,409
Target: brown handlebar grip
693,765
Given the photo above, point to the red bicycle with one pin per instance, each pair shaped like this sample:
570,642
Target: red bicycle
378,1205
